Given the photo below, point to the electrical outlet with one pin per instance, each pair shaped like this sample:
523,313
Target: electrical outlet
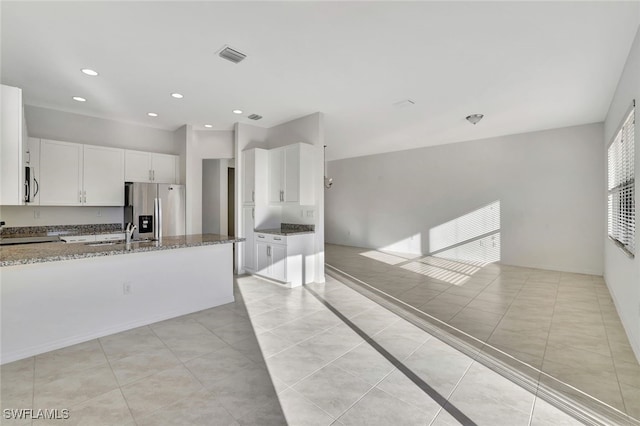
99,213
309,213
36,214
126,288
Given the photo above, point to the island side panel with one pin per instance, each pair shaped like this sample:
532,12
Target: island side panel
47,306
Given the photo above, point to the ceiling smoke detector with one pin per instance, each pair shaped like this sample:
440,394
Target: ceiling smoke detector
474,118
231,55
255,117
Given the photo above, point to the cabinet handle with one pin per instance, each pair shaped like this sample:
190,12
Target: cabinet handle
150,177
281,195
260,236
268,251
253,213
253,195
80,196
277,239
84,196
28,157
153,173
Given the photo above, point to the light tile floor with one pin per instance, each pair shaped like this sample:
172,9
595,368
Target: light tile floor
563,324
319,355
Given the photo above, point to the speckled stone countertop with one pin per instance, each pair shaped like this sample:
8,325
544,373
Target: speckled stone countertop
51,252
289,229
280,231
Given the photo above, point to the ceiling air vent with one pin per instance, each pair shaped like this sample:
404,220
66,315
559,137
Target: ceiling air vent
231,55
255,117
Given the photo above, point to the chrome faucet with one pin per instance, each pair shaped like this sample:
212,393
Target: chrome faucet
129,232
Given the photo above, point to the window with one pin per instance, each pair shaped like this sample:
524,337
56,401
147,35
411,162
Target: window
621,186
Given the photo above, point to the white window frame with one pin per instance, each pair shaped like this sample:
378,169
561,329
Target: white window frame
621,210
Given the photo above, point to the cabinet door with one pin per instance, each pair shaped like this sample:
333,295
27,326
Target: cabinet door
249,245
276,175
164,168
103,177
60,173
137,166
278,262
249,176
262,258
292,174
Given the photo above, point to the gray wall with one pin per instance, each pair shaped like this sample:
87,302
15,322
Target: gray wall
549,185
622,273
65,126
211,196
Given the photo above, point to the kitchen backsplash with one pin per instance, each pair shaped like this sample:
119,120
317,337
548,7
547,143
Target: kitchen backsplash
297,227
36,231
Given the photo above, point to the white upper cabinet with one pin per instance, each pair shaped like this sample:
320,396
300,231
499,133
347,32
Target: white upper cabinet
73,174
276,176
164,168
137,166
12,189
291,176
103,178
152,167
255,178
249,173
60,173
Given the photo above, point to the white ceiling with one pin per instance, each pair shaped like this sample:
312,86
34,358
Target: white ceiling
526,66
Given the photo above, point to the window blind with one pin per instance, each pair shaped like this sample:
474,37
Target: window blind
621,186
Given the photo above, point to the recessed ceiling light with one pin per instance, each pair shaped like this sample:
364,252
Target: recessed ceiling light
90,72
237,111
79,99
152,114
208,126
177,95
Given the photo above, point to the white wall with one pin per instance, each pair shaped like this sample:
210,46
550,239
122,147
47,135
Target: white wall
59,125
200,145
214,196
622,273
211,196
549,185
65,126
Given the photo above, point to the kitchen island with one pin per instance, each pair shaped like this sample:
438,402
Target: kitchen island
55,294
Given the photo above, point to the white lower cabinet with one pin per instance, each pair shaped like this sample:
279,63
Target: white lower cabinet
287,259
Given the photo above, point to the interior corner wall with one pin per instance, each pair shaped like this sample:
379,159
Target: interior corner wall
622,273
549,185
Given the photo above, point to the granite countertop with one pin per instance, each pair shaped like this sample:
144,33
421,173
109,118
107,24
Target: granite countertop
60,230
284,232
51,252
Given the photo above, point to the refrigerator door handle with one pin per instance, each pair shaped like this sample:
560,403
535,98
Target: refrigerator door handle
157,212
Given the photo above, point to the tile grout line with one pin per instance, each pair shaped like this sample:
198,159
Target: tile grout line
615,367
116,380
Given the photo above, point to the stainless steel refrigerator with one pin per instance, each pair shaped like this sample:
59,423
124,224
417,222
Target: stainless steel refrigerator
156,209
